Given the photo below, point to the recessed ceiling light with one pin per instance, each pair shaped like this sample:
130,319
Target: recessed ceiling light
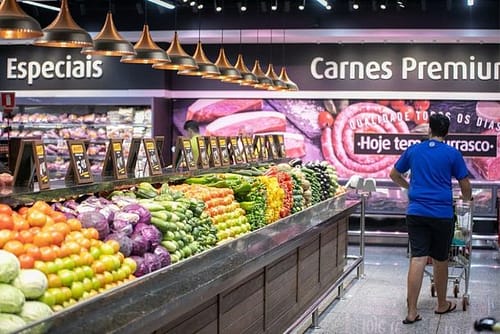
302,5
383,6
470,3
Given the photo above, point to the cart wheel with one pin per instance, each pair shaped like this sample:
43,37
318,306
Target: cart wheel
456,290
465,303
433,290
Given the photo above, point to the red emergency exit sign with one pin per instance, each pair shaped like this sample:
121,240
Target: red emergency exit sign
8,100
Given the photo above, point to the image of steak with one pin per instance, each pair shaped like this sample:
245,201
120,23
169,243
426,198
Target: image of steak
488,110
250,122
301,113
489,167
208,110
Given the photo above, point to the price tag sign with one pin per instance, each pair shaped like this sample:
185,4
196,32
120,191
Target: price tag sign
215,157
42,172
271,147
133,154
31,162
224,151
152,156
261,148
279,140
114,163
236,151
160,142
249,151
202,149
79,170
191,164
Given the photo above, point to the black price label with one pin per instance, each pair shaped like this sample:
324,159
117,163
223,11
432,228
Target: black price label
79,171
41,165
214,148
224,152
204,158
188,154
152,157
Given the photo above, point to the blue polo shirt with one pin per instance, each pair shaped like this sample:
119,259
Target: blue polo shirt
433,164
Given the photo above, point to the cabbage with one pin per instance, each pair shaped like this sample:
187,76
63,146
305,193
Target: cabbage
142,212
11,299
130,217
33,311
9,266
96,220
122,226
150,233
152,262
10,323
141,269
125,242
163,255
139,244
32,282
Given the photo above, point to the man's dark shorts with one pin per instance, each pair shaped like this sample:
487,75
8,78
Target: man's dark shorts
430,236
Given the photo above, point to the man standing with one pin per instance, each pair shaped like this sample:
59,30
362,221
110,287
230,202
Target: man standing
193,132
432,165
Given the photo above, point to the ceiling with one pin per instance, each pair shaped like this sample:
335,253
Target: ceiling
314,23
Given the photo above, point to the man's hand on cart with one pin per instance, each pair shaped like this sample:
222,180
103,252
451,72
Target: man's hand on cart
487,325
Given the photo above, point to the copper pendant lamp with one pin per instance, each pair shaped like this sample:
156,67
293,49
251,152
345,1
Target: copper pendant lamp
179,59
247,77
63,32
277,83
227,71
206,69
109,42
292,86
16,24
263,81
147,51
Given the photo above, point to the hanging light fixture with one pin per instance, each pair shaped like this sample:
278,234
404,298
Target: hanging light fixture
206,69
179,59
147,51
227,71
271,74
109,42
16,24
291,86
263,81
63,32
247,77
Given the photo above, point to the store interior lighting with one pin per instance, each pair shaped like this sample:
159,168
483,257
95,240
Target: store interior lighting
401,4
217,6
200,6
242,6
162,3
383,6
302,6
325,4
192,3
42,5
274,6
22,27
470,3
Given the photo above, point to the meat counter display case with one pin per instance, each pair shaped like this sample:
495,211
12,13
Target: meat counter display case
266,281
54,120
386,208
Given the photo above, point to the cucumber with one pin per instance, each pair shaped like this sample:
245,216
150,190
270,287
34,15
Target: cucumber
170,245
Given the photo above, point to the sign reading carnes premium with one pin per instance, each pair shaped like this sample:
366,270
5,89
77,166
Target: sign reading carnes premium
318,67
40,68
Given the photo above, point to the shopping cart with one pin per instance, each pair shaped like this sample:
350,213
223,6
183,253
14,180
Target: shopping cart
487,325
459,262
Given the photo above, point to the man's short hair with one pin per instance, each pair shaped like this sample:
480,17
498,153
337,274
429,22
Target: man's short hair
439,124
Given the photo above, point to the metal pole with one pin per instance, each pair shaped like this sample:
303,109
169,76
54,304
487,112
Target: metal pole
361,269
315,319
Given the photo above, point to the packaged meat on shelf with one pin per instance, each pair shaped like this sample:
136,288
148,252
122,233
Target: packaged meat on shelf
95,124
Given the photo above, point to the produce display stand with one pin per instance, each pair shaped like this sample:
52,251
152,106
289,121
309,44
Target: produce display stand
261,282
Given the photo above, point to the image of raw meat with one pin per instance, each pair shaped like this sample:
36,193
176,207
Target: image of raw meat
301,113
251,122
337,142
207,110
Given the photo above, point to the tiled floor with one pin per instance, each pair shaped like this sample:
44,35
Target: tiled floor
376,303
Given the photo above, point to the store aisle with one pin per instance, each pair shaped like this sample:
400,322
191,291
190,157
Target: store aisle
376,303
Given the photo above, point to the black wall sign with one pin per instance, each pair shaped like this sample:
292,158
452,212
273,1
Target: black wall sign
331,67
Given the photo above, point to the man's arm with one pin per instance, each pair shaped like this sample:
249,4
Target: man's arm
466,189
398,178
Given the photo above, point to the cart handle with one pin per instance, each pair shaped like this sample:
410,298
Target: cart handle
487,325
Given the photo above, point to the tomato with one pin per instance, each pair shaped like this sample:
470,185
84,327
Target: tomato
15,247
25,236
35,217
57,237
325,120
47,254
74,224
62,228
73,247
90,233
43,207
4,208
58,217
54,281
397,104
42,239
33,250
20,224
26,261
422,104
6,221
114,244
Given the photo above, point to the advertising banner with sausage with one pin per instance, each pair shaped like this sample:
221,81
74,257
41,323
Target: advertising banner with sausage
358,137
